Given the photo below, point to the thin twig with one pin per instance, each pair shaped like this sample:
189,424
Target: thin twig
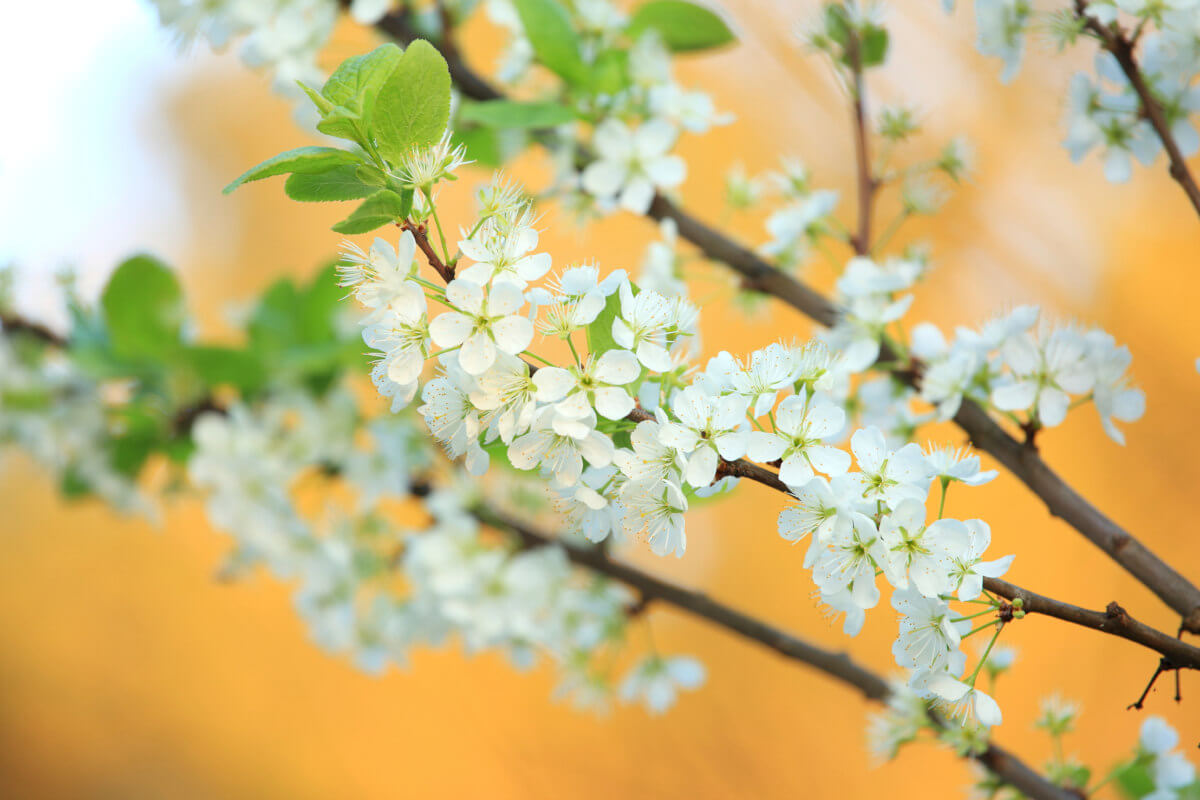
839,666
1114,620
1121,45
867,183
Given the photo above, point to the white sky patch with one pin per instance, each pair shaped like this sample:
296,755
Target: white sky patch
88,172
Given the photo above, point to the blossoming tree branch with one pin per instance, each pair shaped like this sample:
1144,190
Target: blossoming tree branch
545,417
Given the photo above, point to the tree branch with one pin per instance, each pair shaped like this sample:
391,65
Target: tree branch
1121,45
839,666
1114,620
987,435
861,241
14,323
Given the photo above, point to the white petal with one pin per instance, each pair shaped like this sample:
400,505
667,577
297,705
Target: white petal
617,367
613,402
654,356
450,329
764,447
795,471
513,334
667,172
829,460
477,354
504,299
603,178
1015,397
552,383
637,195
465,295
702,467
869,448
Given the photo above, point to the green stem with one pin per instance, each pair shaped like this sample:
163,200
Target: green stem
438,223
571,345
890,231
984,626
986,651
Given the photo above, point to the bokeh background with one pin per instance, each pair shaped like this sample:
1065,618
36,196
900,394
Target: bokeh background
128,670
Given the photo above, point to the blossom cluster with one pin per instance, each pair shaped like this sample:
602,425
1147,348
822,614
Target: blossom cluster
62,418
282,37
254,461
1021,365
1104,112
633,126
631,429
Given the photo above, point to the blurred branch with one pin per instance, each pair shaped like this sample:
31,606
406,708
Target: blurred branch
867,184
1024,462
1121,45
14,323
839,666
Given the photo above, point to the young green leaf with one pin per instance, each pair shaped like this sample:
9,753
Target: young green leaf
483,145
874,46
302,160
357,80
610,72
344,124
320,101
683,26
219,366
143,309
555,43
599,332
339,183
382,208
413,107
513,114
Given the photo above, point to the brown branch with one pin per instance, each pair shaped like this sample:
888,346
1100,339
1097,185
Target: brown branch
1121,45
987,435
867,184
839,666
446,271
14,323
1113,620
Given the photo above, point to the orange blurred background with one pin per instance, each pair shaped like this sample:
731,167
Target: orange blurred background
127,670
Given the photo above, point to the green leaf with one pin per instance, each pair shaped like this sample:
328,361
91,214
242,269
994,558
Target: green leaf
73,484
143,309
555,43
323,105
302,159
413,107
357,80
348,98
140,434
872,39
381,208
339,183
599,332
227,366
344,124
512,114
482,145
295,329
1134,780
874,46
610,72
683,26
